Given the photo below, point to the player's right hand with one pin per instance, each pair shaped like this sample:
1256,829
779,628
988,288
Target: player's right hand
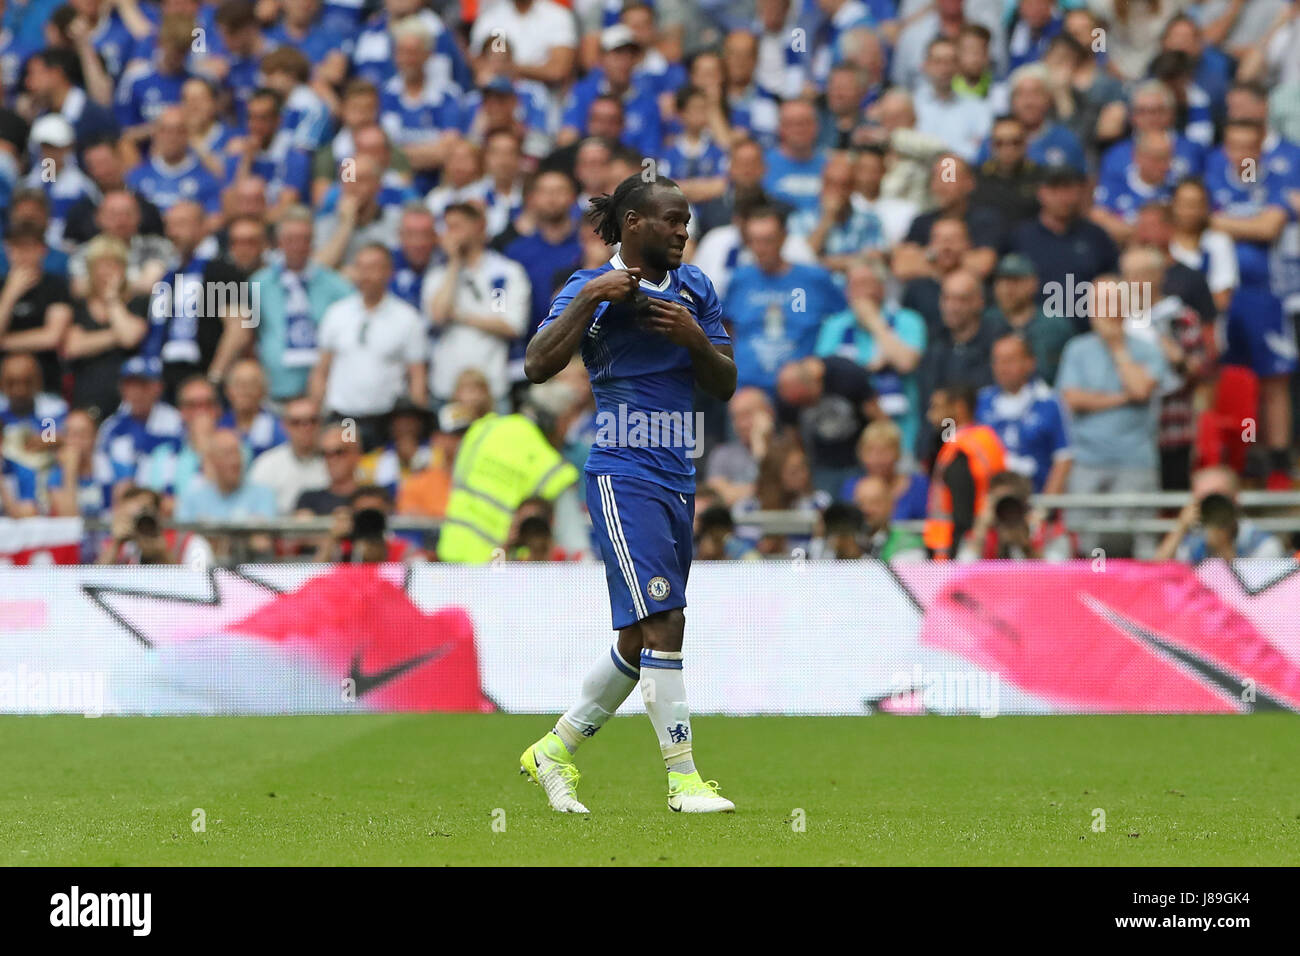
617,285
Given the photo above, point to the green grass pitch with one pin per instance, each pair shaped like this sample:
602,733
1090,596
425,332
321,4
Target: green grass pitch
444,789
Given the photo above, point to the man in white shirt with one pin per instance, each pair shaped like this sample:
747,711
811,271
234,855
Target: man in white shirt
962,122
477,303
371,344
296,465
543,37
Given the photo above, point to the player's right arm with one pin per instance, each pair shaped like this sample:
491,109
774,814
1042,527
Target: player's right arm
557,340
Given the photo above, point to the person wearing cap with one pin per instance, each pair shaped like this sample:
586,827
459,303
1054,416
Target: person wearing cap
1049,142
35,309
1066,248
408,449
56,172
504,460
619,52
143,421
1015,300
504,103
107,328
542,35
477,302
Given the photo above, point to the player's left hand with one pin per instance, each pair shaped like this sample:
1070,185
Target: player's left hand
675,322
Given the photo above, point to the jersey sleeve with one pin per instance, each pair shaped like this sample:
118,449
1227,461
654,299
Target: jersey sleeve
565,296
711,315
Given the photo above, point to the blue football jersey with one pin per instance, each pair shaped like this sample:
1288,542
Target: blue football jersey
644,384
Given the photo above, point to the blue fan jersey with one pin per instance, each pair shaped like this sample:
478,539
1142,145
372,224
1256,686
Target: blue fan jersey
640,376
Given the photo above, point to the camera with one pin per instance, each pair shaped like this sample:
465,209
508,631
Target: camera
146,524
1010,509
369,524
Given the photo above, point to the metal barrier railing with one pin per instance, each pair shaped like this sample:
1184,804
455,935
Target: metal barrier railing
804,522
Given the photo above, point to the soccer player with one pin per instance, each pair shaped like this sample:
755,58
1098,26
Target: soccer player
650,330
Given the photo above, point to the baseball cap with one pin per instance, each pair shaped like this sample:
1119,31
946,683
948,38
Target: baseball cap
52,130
1014,265
1062,174
499,84
141,366
617,36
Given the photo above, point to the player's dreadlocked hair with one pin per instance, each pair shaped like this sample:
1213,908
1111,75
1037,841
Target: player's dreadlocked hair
607,211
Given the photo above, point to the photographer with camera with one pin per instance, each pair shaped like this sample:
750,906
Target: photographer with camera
1008,528
136,534
360,535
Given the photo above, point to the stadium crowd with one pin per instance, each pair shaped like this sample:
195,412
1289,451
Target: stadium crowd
275,259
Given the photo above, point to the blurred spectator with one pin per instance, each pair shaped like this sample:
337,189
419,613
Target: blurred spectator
715,537
34,306
1134,31
18,486
81,481
1149,179
775,306
247,413
794,167
296,465
106,331
1008,180
171,467
51,80
359,220
541,35
172,172
360,533
619,51
294,295
845,228
33,418
723,249
103,163
1009,528
1175,328
732,467
544,239
874,500
1197,246
1111,383
896,215
947,250
880,454
341,452
1210,525
1027,416
416,252
784,483
828,401
969,456
136,535
1015,297
964,356
885,340
148,255
1152,110
962,122
1065,248
56,172
533,541
406,451
478,302
1253,205
952,187
222,493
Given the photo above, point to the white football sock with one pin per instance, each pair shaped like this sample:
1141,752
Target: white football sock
664,691
604,688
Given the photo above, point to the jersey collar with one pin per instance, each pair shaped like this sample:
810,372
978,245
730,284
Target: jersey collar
617,263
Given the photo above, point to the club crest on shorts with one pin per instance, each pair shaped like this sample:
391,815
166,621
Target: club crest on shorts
658,588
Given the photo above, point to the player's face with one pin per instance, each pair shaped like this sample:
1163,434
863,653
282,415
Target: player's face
662,230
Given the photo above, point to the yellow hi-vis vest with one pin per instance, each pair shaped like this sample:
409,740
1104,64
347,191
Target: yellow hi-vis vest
503,460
